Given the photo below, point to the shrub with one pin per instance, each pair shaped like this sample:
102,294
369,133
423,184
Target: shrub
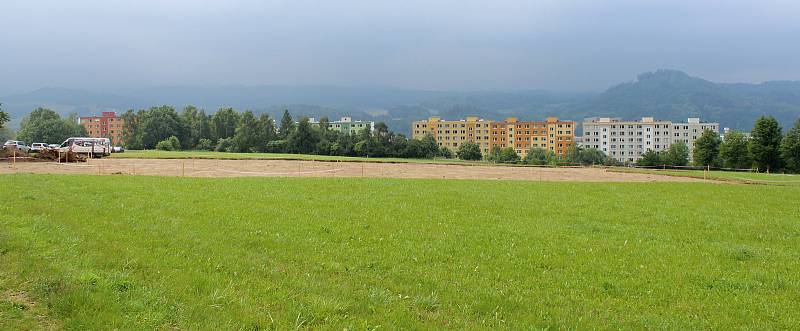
469,151
205,145
445,153
226,145
505,155
170,144
540,156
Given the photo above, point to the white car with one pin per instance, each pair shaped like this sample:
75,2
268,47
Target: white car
38,147
16,144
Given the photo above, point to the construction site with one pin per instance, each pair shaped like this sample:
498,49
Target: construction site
53,163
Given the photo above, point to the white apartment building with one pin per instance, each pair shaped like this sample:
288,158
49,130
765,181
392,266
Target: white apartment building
626,141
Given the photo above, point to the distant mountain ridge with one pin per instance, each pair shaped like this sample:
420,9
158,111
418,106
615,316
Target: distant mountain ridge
674,95
664,94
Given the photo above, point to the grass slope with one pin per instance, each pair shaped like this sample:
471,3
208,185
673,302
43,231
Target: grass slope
249,253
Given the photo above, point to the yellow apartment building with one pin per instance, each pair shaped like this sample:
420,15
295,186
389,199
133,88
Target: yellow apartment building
452,134
551,134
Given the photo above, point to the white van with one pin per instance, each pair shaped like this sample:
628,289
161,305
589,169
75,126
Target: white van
94,147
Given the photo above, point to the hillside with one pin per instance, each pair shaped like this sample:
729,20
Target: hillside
665,94
670,94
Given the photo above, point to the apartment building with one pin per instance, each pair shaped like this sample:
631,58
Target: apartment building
452,134
107,125
552,134
346,125
627,141
690,131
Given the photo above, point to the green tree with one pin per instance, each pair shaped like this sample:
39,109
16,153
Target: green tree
790,148
324,124
503,155
540,156
584,156
678,154
170,144
304,139
592,156
197,126
159,123
287,125
226,145
469,151
422,148
650,158
267,128
45,125
224,123
6,134
249,136
733,151
706,149
3,117
131,135
445,153
204,144
764,144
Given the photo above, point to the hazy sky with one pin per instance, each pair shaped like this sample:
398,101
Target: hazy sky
429,44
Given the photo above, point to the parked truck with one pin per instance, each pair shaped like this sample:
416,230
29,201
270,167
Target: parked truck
92,147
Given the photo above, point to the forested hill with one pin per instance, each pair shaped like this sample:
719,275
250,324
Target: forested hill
664,94
674,95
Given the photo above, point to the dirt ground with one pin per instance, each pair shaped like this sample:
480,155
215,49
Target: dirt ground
286,168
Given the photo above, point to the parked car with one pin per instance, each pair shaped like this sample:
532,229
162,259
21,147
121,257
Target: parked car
16,144
38,147
53,146
117,149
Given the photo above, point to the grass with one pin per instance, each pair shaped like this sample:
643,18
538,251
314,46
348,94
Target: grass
741,177
121,252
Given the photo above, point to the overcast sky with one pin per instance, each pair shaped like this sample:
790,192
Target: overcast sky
426,44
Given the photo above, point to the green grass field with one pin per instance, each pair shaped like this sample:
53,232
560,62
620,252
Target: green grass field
121,252
742,177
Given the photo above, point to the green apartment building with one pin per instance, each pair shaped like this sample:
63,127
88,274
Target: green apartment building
346,125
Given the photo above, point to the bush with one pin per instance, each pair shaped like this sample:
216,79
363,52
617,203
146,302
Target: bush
204,145
445,153
505,155
170,144
276,146
469,151
226,145
540,156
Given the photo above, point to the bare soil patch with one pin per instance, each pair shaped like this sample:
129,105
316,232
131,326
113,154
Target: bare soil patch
290,168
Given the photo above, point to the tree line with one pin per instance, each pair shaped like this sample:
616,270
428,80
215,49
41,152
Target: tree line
766,149
229,130
46,126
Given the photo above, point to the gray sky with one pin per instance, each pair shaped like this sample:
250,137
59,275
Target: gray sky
427,44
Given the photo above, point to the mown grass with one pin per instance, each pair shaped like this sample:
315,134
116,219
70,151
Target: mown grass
734,176
120,252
